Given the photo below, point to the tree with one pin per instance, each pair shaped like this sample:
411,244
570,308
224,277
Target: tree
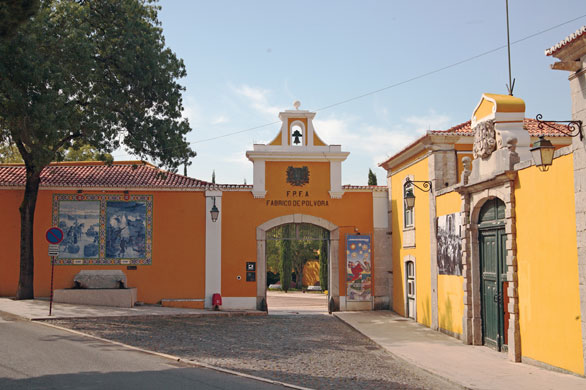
95,72
286,260
80,152
9,153
371,178
13,13
303,251
323,265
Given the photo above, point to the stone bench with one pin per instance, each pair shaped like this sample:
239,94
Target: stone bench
100,279
120,297
98,288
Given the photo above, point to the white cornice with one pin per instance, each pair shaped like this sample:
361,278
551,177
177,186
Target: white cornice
296,156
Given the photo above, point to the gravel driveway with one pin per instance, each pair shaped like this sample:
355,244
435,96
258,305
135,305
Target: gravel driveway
317,351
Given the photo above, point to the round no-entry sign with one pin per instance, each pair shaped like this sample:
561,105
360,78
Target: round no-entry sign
54,235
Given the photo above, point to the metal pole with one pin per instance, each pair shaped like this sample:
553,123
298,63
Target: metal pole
511,83
52,272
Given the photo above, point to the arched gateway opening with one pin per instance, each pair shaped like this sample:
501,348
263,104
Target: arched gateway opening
304,227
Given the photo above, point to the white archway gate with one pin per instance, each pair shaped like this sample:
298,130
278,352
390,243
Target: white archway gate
333,268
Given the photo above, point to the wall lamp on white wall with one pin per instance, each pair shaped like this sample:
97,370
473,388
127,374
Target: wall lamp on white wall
409,196
214,212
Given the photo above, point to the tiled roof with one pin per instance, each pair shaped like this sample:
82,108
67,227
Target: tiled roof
552,50
121,174
531,125
371,188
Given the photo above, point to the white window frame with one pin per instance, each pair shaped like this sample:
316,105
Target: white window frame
406,211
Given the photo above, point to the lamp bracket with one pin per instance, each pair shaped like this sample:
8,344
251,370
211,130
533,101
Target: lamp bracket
573,128
425,184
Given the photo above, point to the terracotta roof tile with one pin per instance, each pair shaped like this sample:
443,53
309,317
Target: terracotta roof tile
531,125
569,39
133,174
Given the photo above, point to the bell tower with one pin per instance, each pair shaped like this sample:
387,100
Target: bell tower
297,142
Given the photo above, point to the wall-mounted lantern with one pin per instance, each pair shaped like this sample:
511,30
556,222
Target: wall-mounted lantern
214,212
542,152
543,149
409,196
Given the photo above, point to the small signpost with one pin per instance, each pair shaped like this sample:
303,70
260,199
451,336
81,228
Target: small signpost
54,236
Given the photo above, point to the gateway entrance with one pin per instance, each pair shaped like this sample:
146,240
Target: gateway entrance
297,259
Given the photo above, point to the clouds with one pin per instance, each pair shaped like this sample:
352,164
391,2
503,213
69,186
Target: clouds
372,134
376,142
258,99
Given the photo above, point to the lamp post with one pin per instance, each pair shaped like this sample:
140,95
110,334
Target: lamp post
214,212
542,152
408,194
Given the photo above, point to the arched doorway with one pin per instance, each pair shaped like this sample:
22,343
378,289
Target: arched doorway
297,258
492,251
299,219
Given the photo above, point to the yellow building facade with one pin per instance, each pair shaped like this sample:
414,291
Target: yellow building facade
488,252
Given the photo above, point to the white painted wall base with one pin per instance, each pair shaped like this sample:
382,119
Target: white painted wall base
239,303
354,306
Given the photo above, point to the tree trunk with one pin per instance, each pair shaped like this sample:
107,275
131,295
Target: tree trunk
300,278
27,220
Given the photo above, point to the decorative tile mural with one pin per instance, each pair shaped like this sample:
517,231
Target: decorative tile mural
358,268
104,229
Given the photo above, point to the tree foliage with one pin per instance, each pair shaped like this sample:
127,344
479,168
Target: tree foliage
9,153
13,13
323,265
302,252
90,72
371,178
286,260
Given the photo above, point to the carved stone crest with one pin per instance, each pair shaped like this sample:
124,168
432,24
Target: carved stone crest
484,139
297,176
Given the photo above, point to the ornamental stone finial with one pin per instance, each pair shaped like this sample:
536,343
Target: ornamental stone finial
296,104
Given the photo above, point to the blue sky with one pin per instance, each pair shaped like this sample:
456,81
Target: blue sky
248,60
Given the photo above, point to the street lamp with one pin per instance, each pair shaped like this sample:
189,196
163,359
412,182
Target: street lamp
214,212
542,152
408,194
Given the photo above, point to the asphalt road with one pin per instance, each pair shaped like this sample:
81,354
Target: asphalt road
34,356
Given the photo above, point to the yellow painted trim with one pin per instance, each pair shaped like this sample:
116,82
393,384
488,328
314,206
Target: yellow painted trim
507,103
485,108
278,140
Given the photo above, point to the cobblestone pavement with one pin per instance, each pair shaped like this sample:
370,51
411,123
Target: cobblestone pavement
317,351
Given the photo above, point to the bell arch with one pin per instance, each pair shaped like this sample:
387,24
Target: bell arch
333,263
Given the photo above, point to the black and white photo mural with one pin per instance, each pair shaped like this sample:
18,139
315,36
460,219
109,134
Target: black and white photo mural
449,245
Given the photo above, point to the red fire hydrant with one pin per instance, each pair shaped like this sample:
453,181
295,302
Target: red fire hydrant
216,301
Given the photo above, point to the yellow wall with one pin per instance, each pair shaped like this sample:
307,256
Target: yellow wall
549,300
178,257
421,252
311,273
450,288
448,204
450,298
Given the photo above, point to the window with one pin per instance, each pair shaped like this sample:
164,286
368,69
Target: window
407,212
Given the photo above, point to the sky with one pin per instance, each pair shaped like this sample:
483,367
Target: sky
423,65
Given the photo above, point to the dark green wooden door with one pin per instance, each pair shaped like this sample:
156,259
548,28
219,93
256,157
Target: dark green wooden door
492,242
